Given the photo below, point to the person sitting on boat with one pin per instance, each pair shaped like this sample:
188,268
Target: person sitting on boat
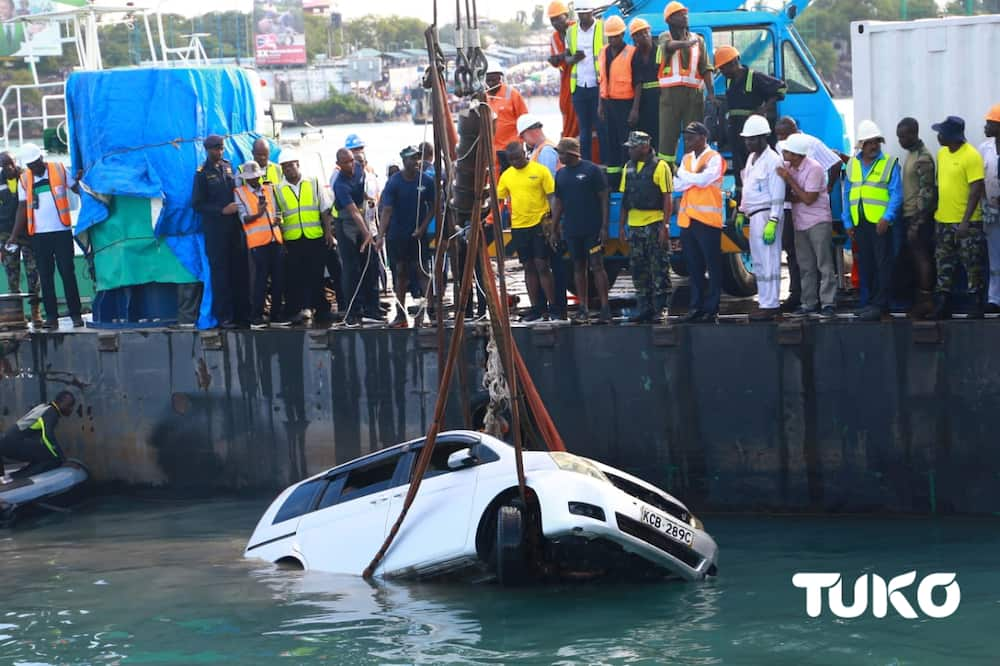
32,439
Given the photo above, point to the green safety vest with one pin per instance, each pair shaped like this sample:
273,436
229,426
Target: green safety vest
872,191
300,216
573,35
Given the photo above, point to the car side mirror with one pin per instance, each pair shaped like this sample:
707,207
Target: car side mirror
461,459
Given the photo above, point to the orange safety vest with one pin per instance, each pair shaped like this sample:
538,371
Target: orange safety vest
60,193
673,73
264,229
702,203
536,153
617,82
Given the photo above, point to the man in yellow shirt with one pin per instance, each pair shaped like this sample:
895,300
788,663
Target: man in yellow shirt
530,186
959,217
647,203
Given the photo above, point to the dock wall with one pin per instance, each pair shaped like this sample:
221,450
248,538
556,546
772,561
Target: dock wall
831,417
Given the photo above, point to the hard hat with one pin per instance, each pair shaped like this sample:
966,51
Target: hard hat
527,121
994,113
557,8
756,125
614,26
637,25
287,155
868,130
353,142
584,5
29,153
725,54
493,65
250,170
672,8
798,143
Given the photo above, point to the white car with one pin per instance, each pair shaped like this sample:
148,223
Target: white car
582,519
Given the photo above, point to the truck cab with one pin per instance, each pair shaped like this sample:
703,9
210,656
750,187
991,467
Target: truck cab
768,42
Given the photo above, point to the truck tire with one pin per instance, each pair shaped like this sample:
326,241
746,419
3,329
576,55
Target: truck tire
511,553
737,279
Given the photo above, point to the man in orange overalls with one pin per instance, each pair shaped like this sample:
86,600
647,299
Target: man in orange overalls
559,18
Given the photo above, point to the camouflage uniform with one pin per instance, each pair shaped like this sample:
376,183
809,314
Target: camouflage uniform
12,262
649,264
950,250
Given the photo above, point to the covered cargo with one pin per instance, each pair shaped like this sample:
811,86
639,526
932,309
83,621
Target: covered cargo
927,69
137,135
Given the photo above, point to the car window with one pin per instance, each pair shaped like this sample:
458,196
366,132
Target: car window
332,492
797,75
369,479
439,457
756,46
300,501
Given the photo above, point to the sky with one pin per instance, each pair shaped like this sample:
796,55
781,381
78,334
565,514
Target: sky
423,9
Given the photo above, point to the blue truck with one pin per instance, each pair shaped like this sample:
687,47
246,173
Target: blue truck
765,35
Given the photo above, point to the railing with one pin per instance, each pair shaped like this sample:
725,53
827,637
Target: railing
18,119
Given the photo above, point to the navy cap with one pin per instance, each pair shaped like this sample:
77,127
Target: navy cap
213,141
696,128
951,127
410,151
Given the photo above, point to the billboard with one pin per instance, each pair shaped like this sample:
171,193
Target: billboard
279,32
24,37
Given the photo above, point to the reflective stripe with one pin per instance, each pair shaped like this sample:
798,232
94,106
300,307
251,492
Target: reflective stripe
263,230
871,191
650,85
572,33
704,202
57,187
614,169
301,214
40,425
674,74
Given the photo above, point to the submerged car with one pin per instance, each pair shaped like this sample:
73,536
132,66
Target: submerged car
581,519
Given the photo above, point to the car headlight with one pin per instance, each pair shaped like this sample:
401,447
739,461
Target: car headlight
697,524
573,463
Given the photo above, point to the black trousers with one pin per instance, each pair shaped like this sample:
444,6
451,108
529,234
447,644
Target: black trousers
54,250
649,115
359,270
28,448
226,248
304,261
703,252
267,264
616,131
874,261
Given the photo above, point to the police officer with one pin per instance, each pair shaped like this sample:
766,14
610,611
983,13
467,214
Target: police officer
224,243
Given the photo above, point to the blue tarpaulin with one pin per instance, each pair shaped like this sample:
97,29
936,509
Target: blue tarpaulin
139,132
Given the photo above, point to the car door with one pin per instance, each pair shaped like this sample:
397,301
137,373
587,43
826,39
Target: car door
438,525
348,527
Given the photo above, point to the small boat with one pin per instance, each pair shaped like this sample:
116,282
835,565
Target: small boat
582,519
53,490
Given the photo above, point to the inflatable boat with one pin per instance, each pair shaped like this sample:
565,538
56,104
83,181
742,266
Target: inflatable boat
53,490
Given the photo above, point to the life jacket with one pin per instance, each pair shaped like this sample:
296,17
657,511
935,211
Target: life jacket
536,153
572,35
640,190
616,82
57,186
702,203
672,72
872,190
300,215
35,421
264,229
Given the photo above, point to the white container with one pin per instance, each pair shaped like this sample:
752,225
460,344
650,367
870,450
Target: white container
927,69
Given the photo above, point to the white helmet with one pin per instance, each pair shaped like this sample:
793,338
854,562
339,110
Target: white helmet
29,153
584,5
798,143
493,65
756,126
288,155
868,130
527,121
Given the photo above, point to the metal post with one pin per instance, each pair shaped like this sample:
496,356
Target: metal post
904,10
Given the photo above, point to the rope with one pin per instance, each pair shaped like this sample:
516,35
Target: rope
496,385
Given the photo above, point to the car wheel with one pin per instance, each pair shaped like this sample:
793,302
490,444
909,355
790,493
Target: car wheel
737,276
511,554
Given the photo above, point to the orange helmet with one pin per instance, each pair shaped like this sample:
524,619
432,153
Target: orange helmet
725,54
557,8
614,26
637,25
673,8
994,113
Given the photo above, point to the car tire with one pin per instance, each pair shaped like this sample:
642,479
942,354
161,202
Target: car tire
511,554
737,280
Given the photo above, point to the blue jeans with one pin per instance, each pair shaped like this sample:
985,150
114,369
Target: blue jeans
585,105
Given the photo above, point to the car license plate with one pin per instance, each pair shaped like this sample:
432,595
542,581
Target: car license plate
675,531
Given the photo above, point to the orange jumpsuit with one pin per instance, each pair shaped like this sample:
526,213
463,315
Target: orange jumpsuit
557,46
508,105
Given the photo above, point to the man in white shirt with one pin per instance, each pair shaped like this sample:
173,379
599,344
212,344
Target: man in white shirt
832,163
990,150
585,38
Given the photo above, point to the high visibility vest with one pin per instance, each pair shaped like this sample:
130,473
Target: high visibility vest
536,153
264,229
872,190
300,215
616,83
702,203
57,186
673,73
572,34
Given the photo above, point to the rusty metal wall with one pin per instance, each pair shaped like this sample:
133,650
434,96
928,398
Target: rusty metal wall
817,417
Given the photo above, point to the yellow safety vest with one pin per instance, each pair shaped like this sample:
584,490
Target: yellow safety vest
873,190
573,36
300,214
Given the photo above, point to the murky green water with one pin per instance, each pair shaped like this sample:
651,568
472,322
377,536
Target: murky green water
142,582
